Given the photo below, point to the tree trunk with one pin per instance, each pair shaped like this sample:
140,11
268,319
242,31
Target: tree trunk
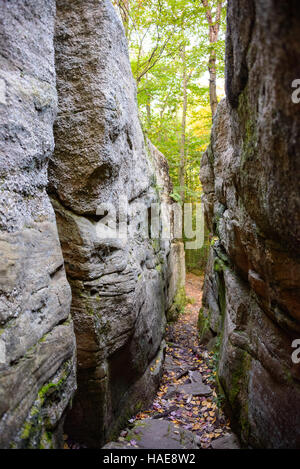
213,99
124,11
214,27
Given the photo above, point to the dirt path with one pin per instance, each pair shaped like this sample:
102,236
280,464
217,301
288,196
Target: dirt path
197,413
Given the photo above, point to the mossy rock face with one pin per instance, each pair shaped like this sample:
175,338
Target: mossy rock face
211,316
235,387
40,429
219,265
178,305
203,325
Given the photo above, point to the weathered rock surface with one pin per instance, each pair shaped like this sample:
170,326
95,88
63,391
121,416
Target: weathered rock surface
37,344
119,286
250,176
176,281
175,288
156,434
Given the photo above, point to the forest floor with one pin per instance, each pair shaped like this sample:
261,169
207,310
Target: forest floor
187,396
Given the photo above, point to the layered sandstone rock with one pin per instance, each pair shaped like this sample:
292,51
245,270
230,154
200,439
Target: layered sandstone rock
37,345
119,286
250,176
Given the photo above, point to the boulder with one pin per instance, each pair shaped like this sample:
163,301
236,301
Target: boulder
229,441
37,343
156,434
119,284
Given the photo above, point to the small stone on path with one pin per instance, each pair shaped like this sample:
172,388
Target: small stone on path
158,434
226,442
195,389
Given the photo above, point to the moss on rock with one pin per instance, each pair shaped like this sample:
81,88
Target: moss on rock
178,305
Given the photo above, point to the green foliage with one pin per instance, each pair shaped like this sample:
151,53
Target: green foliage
169,50
196,259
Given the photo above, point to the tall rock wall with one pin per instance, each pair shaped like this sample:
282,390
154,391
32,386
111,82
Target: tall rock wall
119,287
250,176
37,344
175,279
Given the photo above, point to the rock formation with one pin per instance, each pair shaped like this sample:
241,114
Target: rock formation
37,344
119,286
250,176
175,292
